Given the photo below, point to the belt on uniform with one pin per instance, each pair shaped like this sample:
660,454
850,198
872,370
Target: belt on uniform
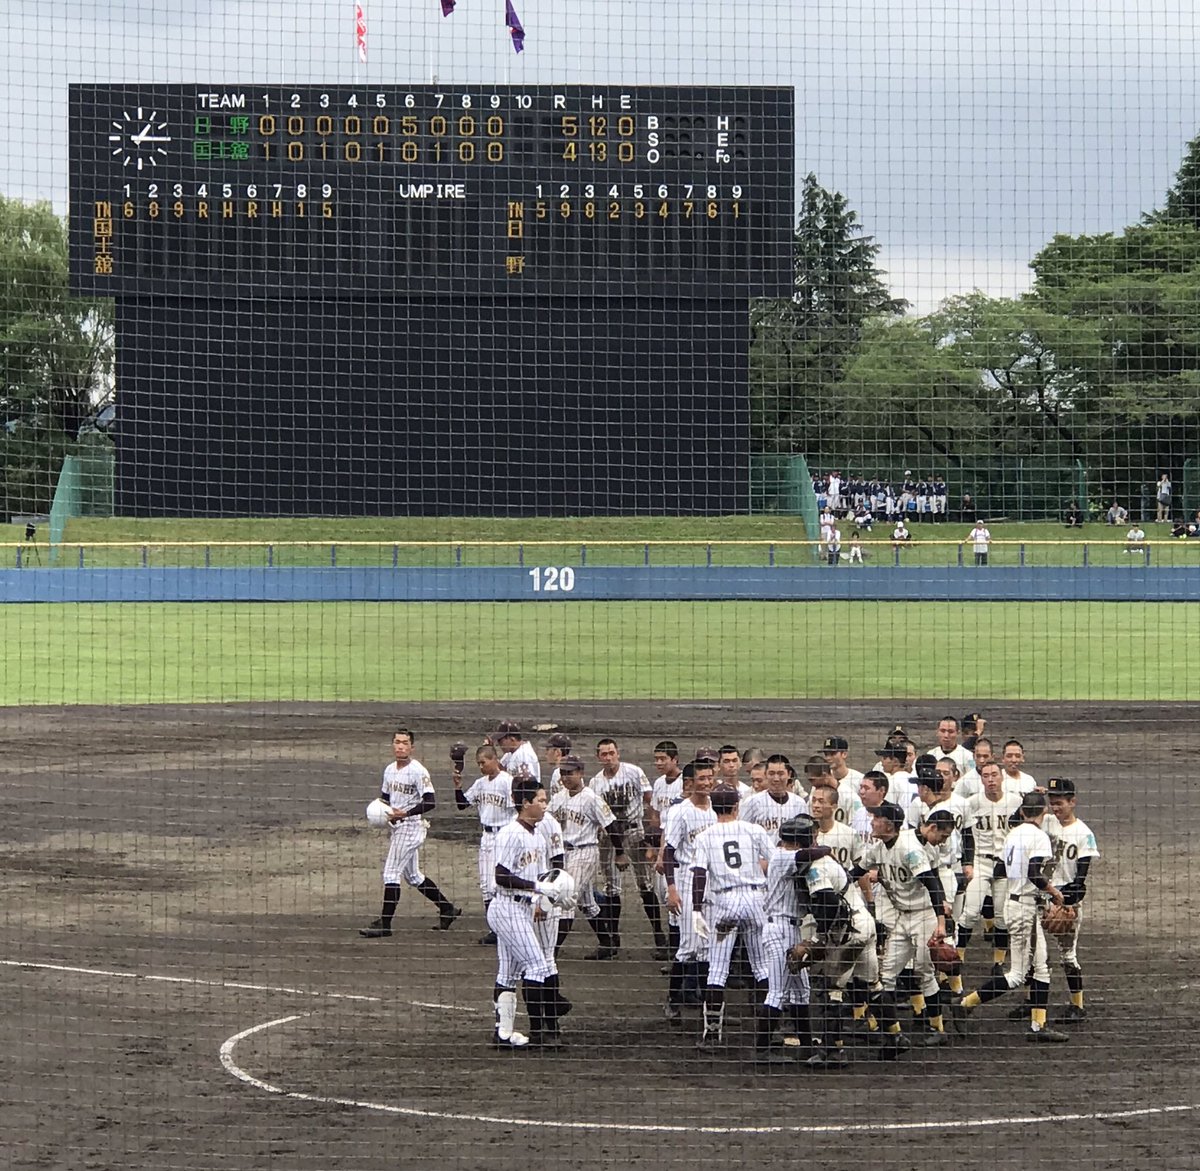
990,857
520,898
741,886
579,845
492,829
1022,898
781,919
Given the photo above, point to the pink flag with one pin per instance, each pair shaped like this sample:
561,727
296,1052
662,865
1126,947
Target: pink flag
360,32
447,7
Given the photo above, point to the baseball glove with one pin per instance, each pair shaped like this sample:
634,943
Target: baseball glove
945,957
804,954
1058,920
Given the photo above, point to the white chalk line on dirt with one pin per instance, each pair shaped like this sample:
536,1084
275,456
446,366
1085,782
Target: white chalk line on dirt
231,1066
238,985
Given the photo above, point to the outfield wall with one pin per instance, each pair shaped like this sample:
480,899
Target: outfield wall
603,583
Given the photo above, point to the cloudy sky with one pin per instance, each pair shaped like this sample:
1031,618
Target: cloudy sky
965,132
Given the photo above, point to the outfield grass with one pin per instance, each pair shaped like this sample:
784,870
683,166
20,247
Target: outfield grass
219,652
724,540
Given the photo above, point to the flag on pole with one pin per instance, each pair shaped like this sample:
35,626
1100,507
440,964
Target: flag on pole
360,32
514,26
447,7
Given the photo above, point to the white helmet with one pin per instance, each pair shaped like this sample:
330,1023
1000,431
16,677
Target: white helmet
377,813
563,887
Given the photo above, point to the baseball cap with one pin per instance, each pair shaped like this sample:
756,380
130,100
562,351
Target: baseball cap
971,719
835,744
800,828
507,728
927,769
707,753
724,799
1033,803
1060,787
941,818
890,811
558,740
570,764
895,750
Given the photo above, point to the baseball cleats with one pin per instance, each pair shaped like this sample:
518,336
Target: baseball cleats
673,1013
376,929
773,1056
1045,1036
546,1040
710,1042
1071,1015
931,1039
516,1041
891,1047
602,953
1020,1013
958,1018
488,940
828,1059
446,918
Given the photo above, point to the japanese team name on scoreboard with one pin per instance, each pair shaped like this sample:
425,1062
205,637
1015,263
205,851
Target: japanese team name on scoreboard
189,189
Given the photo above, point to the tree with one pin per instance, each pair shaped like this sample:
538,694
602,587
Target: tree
801,346
56,352
1183,198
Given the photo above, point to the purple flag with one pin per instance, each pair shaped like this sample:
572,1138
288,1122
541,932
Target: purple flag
514,26
447,7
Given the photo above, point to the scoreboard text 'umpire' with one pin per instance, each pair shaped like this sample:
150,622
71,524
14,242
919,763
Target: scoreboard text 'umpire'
674,191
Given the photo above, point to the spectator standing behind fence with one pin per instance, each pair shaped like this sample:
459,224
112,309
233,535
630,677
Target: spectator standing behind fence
1162,497
980,538
966,508
1117,514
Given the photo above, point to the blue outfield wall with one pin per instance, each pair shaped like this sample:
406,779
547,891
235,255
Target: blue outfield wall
603,583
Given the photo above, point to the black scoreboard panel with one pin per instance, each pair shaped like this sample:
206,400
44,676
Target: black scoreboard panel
421,405
337,192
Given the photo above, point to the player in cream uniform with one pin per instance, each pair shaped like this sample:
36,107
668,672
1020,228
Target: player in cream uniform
834,750
626,791
988,814
685,822
917,898
490,795
728,902
775,804
517,755
583,816
901,790
935,792
845,846
408,789
1074,849
948,745
1028,856
1016,780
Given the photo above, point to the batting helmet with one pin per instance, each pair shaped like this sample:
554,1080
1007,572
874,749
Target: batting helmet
377,813
563,884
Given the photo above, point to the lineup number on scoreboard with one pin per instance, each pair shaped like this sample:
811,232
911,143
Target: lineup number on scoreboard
551,579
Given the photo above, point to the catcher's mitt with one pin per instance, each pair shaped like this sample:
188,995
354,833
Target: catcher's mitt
804,954
1058,920
945,957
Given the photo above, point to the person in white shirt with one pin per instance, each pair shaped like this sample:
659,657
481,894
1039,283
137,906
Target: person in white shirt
490,795
1015,779
1135,539
980,538
517,755
947,744
901,790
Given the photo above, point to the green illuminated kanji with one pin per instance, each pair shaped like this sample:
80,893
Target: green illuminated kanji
239,124
203,124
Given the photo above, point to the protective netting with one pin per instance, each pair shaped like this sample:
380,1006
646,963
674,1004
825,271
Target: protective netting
763,434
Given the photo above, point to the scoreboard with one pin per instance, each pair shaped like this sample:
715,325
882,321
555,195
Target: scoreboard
429,300
336,191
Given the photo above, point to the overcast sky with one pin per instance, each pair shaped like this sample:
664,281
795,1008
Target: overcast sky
965,133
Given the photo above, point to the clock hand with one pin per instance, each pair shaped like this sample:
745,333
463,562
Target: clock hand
153,138
140,137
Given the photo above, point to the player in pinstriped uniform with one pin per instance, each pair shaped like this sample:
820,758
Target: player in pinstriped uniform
626,791
666,789
1074,849
988,814
558,745
728,900
1028,855
583,817
490,795
685,822
525,849
517,755
408,789
777,803
916,894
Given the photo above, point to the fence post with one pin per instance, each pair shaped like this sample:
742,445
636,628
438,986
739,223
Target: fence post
18,556
145,558
208,557
521,555
1146,554
395,556
960,557
770,554
458,556
1085,555
80,556
708,556
896,556
645,554
582,554
333,556
1021,555
270,556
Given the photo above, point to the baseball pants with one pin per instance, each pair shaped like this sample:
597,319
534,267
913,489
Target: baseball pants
638,866
691,946
523,948
981,885
403,863
783,987
854,959
487,866
583,865
908,944
732,915
1026,942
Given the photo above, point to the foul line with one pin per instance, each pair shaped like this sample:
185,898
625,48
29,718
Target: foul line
238,1072
198,982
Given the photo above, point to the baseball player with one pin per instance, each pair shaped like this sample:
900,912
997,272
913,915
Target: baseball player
918,901
787,991
845,846
1075,847
834,750
1015,778
892,756
872,792
728,903
626,791
558,744
988,814
525,949
408,789
729,769
685,822
666,790
948,745
758,776
490,795
1028,855
583,817
517,754
840,923
777,803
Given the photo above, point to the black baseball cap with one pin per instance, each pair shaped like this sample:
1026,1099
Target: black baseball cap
890,811
506,728
899,751
800,828
724,799
941,819
558,740
570,764
835,744
1033,804
927,772
1060,787
707,753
